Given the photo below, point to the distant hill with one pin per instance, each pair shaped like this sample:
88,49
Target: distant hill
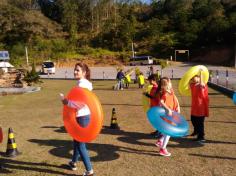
19,25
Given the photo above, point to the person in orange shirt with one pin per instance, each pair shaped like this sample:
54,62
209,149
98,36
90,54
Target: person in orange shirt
170,103
199,106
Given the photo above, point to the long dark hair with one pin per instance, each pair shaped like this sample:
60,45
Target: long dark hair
84,68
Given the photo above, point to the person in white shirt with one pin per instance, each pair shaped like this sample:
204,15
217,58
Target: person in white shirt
82,74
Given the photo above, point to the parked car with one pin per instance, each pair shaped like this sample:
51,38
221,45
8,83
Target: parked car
48,67
141,60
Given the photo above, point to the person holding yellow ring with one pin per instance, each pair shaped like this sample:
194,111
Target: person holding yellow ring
199,105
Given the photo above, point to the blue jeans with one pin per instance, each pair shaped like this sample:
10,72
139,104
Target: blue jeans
80,147
120,84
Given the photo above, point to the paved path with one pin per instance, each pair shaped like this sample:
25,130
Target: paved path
175,71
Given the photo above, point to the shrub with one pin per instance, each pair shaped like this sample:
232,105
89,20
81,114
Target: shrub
32,76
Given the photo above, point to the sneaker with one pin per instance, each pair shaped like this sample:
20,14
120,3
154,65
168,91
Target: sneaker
158,143
73,166
88,173
164,152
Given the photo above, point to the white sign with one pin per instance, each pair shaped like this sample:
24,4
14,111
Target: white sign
4,55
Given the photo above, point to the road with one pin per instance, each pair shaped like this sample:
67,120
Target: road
173,71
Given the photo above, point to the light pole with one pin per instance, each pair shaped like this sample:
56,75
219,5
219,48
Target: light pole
133,52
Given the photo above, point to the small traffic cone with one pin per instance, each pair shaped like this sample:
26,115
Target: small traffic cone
11,145
114,124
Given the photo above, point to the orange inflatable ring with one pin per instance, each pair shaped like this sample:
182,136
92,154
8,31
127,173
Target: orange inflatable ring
90,132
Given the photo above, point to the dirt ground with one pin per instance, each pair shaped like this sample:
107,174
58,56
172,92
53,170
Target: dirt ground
36,120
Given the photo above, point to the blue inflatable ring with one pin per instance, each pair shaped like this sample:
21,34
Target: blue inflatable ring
174,126
234,97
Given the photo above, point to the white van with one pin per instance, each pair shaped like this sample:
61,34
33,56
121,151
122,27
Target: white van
141,60
48,67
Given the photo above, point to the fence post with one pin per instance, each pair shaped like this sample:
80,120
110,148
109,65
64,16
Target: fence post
66,74
103,75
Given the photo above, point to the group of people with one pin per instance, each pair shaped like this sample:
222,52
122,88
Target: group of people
162,94
124,79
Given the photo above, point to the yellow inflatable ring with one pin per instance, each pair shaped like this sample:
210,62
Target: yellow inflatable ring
184,88
146,100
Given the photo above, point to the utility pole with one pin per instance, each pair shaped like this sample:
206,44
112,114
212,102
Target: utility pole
133,49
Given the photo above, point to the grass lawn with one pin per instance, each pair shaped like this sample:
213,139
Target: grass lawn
36,119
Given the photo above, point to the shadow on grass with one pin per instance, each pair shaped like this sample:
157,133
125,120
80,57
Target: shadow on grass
211,121
184,143
136,137
60,129
104,152
128,137
190,143
218,142
62,148
4,170
30,166
213,157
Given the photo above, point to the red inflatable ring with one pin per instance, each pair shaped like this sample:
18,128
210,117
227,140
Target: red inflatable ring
88,133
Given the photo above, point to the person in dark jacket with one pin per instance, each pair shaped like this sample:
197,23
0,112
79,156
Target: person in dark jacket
120,77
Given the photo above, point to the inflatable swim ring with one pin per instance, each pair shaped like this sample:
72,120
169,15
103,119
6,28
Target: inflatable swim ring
88,133
184,88
234,97
175,125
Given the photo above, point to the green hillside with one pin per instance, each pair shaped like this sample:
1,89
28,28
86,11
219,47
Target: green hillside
76,29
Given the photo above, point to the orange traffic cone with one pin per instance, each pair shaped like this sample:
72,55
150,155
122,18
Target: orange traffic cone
114,123
11,145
